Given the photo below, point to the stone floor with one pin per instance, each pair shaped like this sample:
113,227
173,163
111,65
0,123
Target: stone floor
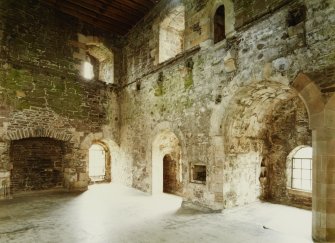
113,213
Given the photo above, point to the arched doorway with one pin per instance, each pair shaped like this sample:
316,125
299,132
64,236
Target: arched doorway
166,164
99,163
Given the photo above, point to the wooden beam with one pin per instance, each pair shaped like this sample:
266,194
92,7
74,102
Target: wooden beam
105,10
88,19
121,5
117,16
72,4
141,3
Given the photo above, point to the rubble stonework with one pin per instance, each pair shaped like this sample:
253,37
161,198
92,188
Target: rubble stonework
237,107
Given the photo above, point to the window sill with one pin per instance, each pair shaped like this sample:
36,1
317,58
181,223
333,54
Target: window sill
299,192
198,182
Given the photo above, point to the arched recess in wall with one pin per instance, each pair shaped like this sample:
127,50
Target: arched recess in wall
223,20
256,129
166,163
171,34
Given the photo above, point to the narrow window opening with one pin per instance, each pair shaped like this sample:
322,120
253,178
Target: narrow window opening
88,70
302,169
219,24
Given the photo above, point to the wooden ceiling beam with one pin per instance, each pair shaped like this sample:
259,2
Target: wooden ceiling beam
144,3
72,4
88,19
127,6
110,11
117,16
94,12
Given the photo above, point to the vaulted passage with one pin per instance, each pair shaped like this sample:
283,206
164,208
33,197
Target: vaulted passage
37,164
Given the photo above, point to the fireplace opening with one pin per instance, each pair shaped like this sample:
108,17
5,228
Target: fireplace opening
37,164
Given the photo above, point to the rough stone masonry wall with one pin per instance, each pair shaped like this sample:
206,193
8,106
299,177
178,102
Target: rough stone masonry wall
193,93
41,91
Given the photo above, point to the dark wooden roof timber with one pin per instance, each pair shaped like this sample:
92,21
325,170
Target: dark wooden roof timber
115,16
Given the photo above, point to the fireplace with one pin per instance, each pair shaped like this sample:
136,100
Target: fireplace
38,164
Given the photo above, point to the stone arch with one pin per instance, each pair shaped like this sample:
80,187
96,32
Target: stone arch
38,122
229,17
310,94
246,139
331,103
330,112
36,132
166,140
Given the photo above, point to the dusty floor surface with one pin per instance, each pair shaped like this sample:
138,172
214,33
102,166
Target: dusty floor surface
113,213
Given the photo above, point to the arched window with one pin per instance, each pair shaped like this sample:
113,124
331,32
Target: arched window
301,169
219,24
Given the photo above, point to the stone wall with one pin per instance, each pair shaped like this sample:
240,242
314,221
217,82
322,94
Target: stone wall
224,94
42,92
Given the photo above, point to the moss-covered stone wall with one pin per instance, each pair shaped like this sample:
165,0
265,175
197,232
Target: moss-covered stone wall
42,92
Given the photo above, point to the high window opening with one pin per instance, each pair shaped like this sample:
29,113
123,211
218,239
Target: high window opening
88,71
302,169
219,24
97,60
97,163
171,34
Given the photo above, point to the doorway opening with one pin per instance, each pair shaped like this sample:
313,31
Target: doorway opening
170,173
98,157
